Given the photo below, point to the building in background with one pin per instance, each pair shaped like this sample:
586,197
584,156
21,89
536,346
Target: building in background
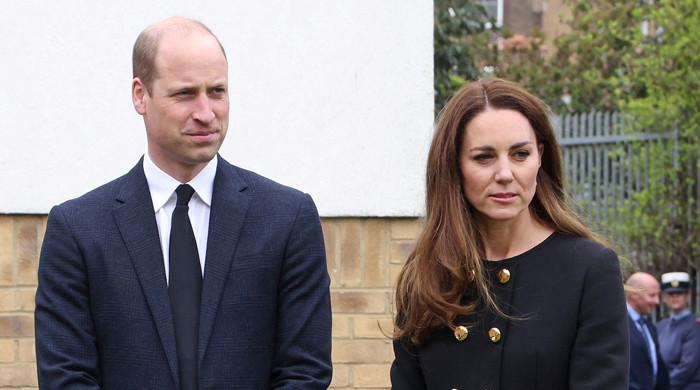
527,18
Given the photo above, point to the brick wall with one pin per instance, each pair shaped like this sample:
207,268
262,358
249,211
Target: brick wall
364,258
20,241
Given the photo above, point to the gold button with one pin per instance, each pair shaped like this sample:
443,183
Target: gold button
494,335
461,333
503,275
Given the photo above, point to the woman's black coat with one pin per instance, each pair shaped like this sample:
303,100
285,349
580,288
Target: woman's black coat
570,330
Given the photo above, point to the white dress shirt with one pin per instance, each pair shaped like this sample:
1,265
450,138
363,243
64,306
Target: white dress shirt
162,187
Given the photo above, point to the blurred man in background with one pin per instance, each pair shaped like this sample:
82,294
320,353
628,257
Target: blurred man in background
647,370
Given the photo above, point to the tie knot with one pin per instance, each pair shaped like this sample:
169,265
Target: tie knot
184,193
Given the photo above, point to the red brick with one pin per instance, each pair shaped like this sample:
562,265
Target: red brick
27,245
20,325
330,236
7,245
24,299
375,254
405,228
7,299
371,376
341,326
358,301
400,250
341,376
372,327
350,250
362,351
19,374
27,350
8,347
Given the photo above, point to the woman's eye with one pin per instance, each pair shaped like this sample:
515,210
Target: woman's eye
521,154
482,157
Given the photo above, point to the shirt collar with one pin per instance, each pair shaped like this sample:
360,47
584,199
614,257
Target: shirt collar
633,313
162,186
684,313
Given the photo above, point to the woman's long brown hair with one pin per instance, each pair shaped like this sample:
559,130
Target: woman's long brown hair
443,276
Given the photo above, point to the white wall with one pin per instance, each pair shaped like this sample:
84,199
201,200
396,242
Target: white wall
333,97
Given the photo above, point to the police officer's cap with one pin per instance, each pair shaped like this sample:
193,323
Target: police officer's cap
675,282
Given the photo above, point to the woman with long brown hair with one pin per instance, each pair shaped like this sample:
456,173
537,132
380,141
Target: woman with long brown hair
506,288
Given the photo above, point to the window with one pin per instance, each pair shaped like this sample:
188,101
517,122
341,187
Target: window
494,8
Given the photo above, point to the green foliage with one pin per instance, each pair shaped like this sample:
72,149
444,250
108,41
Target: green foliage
662,72
520,59
608,63
586,62
457,24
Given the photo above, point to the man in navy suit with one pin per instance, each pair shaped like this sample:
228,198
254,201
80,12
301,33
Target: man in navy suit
647,370
187,272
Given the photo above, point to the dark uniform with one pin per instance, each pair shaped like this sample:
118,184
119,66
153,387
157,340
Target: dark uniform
679,338
680,348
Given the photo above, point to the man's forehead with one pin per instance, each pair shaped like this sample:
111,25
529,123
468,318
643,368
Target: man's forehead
176,39
187,48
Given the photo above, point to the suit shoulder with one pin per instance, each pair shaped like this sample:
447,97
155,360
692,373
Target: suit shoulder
583,249
95,198
663,323
578,253
263,185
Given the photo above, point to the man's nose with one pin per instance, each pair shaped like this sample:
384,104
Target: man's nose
203,110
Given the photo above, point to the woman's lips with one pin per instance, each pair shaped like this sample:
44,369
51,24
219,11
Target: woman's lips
503,197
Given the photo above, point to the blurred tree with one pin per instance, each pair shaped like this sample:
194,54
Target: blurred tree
456,22
660,88
581,74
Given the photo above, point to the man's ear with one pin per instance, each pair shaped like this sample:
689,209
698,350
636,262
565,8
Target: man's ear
138,95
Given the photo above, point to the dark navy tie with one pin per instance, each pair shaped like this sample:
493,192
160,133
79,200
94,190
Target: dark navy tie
185,288
647,341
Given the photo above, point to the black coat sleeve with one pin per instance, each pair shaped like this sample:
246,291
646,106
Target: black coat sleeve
406,371
600,354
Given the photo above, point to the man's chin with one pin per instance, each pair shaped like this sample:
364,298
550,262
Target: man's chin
204,155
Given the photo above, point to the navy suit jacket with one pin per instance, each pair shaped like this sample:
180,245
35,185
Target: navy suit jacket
641,369
103,316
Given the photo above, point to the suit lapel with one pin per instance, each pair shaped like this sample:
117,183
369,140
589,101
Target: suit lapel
229,205
136,221
637,333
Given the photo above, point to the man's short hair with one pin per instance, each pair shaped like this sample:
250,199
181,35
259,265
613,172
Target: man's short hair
143,58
